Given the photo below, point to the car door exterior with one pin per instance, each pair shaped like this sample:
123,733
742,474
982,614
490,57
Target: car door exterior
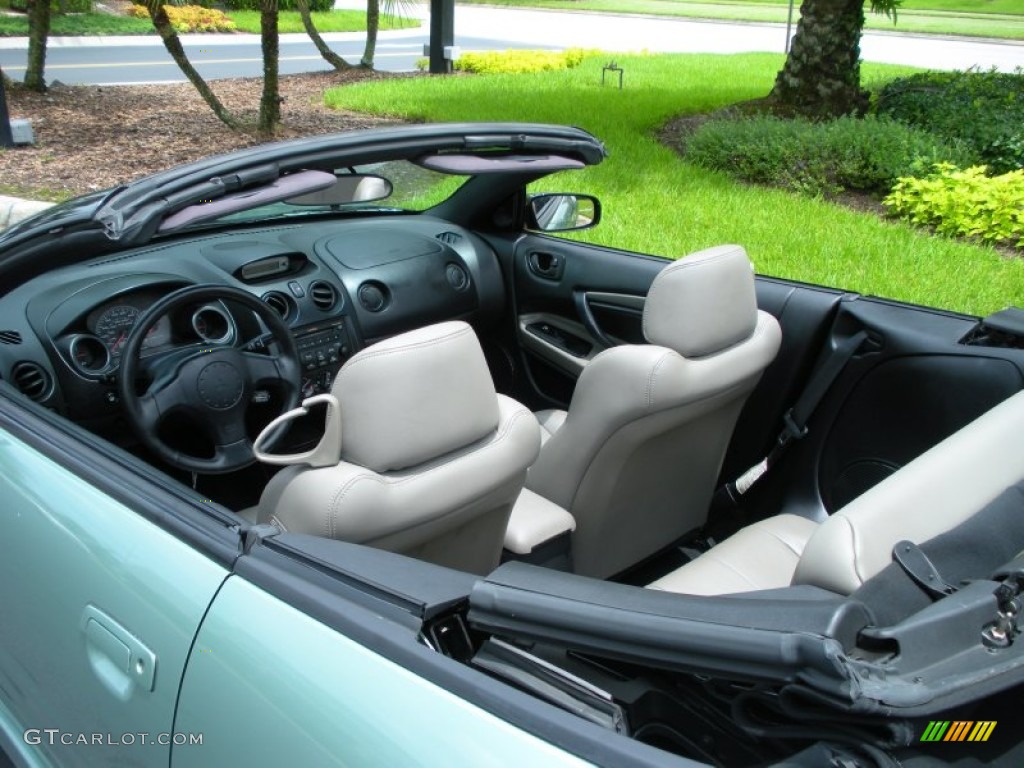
100,607
269,685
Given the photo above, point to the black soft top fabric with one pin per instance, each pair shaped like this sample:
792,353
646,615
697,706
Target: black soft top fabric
972,550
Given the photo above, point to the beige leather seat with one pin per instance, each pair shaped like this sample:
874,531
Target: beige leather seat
421,456
636,457
931,495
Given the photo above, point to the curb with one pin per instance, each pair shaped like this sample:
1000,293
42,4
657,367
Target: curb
14,209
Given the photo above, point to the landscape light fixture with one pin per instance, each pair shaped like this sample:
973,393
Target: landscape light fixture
611,66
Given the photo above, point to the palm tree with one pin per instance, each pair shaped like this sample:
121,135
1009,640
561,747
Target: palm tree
374,9
328,55
163,26
38,34
821,76
270,100
372,27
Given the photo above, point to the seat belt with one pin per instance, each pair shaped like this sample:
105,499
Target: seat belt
794,421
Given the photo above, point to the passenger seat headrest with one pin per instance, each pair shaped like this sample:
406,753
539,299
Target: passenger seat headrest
415,397
702,304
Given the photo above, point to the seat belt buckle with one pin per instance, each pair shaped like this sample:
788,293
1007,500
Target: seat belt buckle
790,429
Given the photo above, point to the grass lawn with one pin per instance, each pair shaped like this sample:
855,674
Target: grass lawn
656,203
246,21
34,193
1008,7
74,25
980,18
328,21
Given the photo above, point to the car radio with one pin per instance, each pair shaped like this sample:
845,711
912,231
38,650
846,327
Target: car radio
323,348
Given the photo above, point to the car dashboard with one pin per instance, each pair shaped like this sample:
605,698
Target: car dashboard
338,285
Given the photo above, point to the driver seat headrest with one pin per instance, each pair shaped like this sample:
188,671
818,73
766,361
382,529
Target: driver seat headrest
420,454
415,397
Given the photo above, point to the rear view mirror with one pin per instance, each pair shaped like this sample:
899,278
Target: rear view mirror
350,188
562,213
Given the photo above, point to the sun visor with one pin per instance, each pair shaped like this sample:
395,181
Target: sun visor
292,185
477,165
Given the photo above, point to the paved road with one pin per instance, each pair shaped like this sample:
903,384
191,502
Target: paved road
134,60
123,60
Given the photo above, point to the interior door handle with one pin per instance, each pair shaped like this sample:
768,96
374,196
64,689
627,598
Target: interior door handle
119,659
589,322
546,264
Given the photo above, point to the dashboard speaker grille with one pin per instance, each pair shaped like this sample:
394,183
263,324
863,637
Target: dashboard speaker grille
373,296
10,337
457,277
31,380
324,295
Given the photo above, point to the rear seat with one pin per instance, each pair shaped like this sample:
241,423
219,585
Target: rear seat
929,496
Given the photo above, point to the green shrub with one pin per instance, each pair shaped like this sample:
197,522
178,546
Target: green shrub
818,158
964,203
983,109
57,6
515,62
282,5
190,18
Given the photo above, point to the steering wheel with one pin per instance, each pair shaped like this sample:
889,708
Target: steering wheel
213,384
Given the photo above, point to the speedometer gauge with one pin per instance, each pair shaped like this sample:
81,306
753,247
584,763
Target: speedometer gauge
114,325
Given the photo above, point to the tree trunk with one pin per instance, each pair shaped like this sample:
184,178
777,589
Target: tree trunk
173,45
6,139
821,76
38,34
372,25
328,55
270,101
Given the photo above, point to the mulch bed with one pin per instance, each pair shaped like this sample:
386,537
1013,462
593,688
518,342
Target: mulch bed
92,137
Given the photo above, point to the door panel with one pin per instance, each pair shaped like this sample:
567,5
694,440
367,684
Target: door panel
100,607
567,315
562,343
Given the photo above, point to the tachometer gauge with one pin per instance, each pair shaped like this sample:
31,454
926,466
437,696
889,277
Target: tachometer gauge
89,354
114,325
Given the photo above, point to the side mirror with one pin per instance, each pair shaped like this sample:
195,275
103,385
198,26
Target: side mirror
562,213
349,188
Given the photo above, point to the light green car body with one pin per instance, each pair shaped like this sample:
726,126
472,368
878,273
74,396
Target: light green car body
114,631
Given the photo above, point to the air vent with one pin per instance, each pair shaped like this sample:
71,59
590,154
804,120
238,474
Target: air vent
278,302
10,337
451,238
324,295
31,380
373,296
